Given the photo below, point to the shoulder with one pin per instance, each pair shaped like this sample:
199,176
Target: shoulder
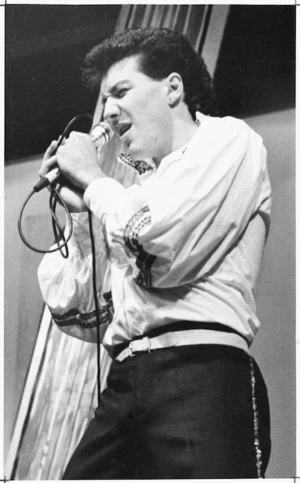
225,122
224,131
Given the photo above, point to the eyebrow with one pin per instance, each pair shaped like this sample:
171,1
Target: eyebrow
113,90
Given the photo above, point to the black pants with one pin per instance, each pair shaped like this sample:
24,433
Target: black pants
185,412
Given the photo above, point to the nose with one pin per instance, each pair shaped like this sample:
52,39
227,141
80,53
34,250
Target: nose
111,111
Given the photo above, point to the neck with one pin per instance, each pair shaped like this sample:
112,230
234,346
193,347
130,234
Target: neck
183,129
184,126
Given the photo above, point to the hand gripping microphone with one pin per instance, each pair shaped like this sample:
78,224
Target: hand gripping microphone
101,133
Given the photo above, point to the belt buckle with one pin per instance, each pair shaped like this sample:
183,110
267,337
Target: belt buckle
141,345
130,348
148,343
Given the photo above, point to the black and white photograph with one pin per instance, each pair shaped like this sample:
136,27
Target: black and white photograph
149,322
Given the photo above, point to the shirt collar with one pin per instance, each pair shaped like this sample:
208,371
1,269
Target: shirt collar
146,166
141,166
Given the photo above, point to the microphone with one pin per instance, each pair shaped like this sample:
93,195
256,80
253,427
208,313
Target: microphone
100,134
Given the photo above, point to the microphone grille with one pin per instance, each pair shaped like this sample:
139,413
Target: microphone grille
101,133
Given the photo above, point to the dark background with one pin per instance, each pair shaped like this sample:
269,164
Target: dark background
255,72
43,74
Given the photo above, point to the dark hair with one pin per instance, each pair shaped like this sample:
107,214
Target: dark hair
160,51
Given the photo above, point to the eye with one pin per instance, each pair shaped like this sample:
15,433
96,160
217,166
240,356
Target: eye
121,92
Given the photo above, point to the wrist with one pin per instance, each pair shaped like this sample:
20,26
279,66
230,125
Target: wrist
87,177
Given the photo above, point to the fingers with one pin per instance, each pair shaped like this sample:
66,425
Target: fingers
72,155
47,165
50,150
76,134
78,139
49,159
75,141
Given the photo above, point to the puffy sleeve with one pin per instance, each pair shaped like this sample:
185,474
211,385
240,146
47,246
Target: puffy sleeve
181,224
67,283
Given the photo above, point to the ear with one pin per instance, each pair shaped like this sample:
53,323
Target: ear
175,88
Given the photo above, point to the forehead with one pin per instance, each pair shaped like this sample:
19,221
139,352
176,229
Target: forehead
127,69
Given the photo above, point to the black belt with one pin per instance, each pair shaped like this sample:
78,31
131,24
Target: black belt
175,327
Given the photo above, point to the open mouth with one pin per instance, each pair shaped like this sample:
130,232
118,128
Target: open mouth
122,127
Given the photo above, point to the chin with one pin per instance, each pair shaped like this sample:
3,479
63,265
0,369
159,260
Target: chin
137,154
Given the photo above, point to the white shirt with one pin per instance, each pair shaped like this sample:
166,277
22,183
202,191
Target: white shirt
182,243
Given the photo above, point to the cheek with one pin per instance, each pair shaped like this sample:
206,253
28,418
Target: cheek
163,121
152,117
154,100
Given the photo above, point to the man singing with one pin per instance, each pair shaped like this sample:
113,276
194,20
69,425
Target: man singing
179,250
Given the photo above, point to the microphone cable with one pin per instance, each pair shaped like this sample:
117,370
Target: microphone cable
61,240
97,309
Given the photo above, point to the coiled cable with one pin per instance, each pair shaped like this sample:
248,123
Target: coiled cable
61,239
